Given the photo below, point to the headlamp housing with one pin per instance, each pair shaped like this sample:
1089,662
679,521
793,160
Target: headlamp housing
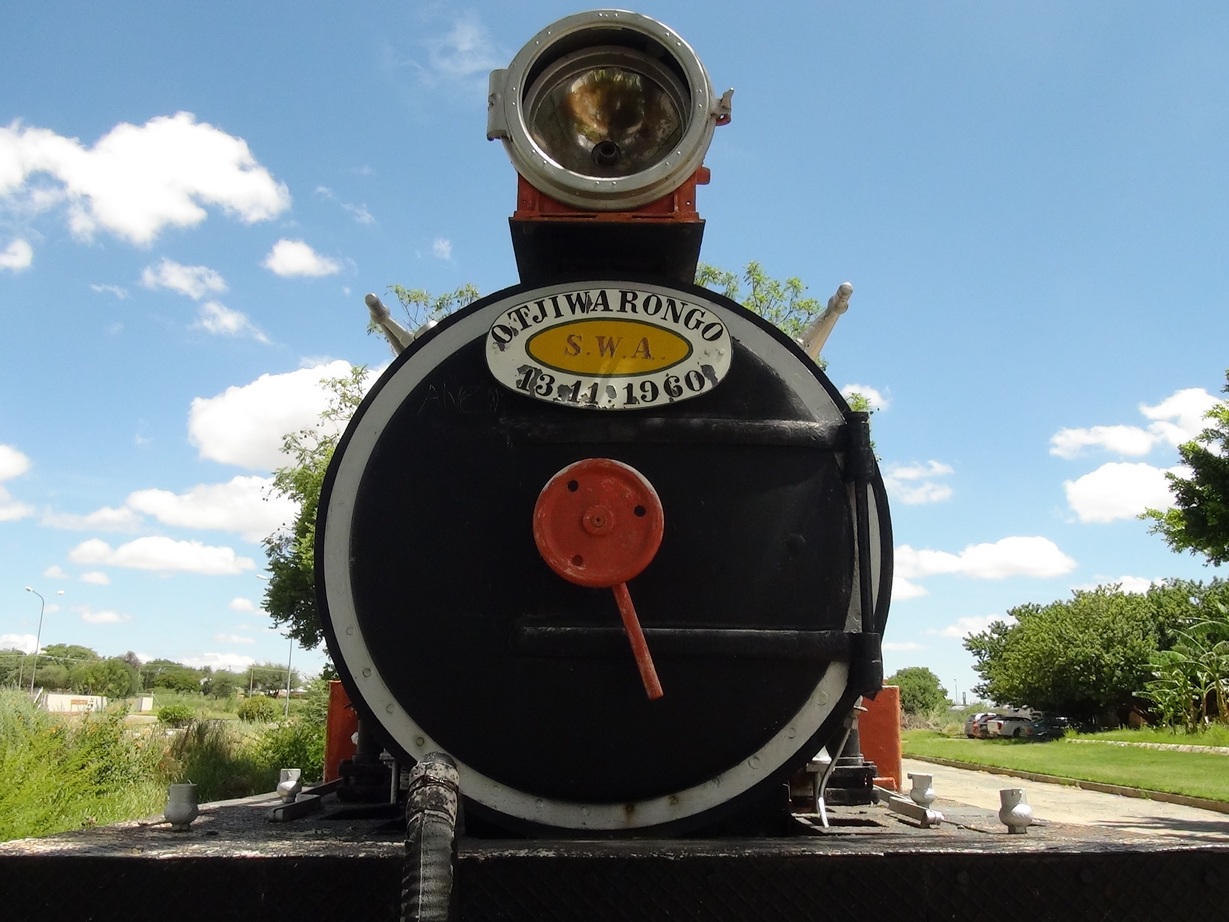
605,111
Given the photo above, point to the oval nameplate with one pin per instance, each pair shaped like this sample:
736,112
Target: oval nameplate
604,346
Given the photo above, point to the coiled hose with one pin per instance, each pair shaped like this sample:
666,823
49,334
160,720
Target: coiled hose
430,840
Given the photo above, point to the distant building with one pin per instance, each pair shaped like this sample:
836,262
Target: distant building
68,704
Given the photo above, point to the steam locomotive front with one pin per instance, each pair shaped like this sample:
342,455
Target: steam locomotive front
611,541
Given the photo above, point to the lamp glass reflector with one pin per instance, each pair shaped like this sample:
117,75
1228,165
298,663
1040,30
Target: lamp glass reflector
609,118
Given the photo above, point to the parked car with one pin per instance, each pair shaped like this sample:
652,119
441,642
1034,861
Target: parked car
1013,725
979,730
971,723
1050,728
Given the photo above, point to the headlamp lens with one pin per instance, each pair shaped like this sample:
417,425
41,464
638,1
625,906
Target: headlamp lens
606,120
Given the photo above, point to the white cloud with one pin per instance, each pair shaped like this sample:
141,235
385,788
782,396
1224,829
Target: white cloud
193,281
137,180
1123,440
247,606
233,638
120,293
163,555
904,589
245,425
1176,419
232,662
874,397
1118,490
12,462
104,519
464,53
1180,417
290,258
106,616
973,624
1133,585
1136,585
96,578
1123,490
220,320
441,248
245,505
11,510
18,255
54,572
359,212
22,642
916,484
1015,556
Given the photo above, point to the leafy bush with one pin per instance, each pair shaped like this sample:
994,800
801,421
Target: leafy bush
258,709
203,707
1189,686
920,691
176,715
315,704
217,756
296,743
64,772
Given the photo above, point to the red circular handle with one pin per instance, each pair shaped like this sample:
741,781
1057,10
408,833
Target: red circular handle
598,522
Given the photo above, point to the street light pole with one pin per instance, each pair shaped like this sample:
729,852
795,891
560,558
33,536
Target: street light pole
289,656
38,638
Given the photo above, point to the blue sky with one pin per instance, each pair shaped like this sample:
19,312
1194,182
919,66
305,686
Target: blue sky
1030,199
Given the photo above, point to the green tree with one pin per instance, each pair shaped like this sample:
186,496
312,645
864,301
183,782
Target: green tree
420,306
1199,520
135,662
1189,685
1085,657
168,674
55,662
782,303
290,594
13,666
70,653
920,691
222,684
269,678
49,674
113,678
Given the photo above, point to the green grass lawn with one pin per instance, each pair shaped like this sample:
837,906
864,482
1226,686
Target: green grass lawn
1195,774
1215,735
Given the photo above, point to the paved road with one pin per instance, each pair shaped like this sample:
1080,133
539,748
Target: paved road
1060,803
